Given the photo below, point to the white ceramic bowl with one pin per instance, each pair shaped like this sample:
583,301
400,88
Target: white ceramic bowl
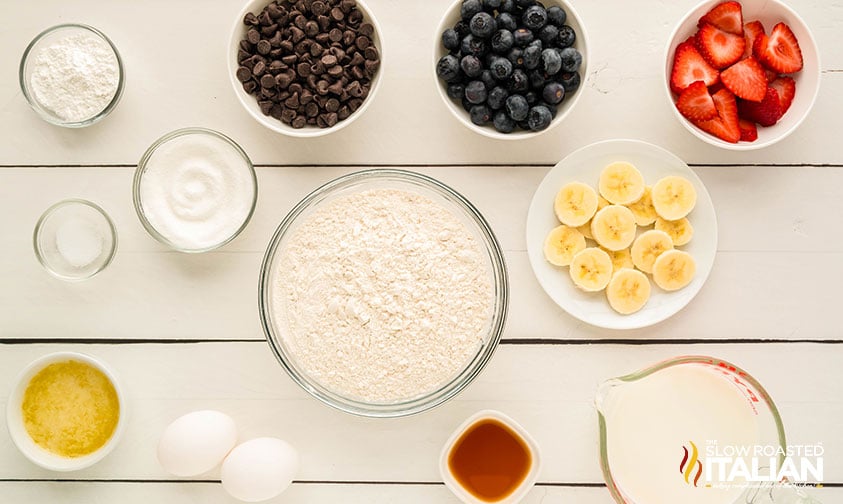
452,16
17,431
769,12
521,490
251,104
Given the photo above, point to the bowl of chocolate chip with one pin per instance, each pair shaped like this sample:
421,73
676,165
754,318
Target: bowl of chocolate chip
305,68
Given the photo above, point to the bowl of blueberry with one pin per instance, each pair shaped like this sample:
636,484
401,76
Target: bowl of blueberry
510,69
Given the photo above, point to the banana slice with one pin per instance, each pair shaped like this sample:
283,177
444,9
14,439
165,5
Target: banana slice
575,204
674,269
602,203
621,183
628,291
585,229
620,259
648,247
680,231
674,197
561,244
614,227
643,209
591,269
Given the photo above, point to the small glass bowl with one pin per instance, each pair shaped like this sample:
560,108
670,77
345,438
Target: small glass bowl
410,182
25,73
60,229
141,170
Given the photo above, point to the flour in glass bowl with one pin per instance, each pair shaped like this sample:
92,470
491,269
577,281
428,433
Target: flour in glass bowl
383,295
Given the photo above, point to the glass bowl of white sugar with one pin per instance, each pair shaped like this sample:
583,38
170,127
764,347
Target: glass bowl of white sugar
384,293
72,75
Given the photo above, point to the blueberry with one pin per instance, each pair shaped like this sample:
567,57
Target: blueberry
501,68
525,3
462,29
553,93
549,34
571,59
534,17
482,25
480,115
551,61
469,8
448,68
551,108
473,45
506,21
451,39
517,107
488,79
456,91
503,122
532,98
532,55
475,92
466,105
570,81
567,37
523,36
537,79
502,41
492,4
539,118
556,15
471,65
496,97
515,56
518,81
507,6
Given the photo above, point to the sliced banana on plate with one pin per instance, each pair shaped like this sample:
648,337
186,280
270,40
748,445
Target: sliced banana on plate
614,227
620,259
628,291
591,269
648,247
561,244
674,197
643,209
680,231
621,183
674,269
575,204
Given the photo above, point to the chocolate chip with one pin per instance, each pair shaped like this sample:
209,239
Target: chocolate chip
316,49
274,11
335,71
267,81
329,60
311,28
324,23
303,69
295,87
288,115
242,56
337,14
299,122
348,37
343,113
354,89
243,74
276,111
322,87
250,86
354,18
358,72
265,106
331,119
268,31
296,35
335,35
250,19
332,105
371,53
366,29
362,42
292,101
300,21
372,67
347,5
253,36
259,69
318,8
287,45
356,59
318,68
245,45
311,109
306,95
267,93
264,19
264,47
336,88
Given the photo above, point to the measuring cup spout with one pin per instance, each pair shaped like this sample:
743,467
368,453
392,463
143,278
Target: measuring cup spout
604,397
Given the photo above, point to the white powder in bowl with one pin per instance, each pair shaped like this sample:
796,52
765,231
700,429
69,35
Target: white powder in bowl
383,295
74,77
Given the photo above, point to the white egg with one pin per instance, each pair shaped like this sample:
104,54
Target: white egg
196,442
259,469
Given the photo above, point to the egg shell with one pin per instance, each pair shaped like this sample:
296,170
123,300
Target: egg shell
196,442
259,469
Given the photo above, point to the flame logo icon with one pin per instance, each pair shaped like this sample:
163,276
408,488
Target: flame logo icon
689,461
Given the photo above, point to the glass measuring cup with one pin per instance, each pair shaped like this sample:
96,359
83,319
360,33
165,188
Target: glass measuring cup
676,432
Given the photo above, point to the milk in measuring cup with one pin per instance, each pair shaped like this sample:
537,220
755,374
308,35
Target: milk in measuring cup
652,421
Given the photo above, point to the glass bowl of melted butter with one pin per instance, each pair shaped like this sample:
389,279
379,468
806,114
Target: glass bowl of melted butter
66,411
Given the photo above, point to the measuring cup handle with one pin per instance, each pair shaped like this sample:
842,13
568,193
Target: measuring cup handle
779,493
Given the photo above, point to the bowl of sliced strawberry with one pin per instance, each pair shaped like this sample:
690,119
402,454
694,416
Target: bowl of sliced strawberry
742,75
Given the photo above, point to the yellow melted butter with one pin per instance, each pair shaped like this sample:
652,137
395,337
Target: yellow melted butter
70,408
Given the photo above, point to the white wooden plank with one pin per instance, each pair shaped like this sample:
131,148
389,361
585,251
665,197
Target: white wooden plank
178,77
548,389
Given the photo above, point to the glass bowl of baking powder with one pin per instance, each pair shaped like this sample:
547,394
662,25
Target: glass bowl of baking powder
72,75
383,293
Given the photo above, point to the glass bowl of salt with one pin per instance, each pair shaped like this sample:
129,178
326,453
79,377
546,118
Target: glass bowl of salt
71,75
74,239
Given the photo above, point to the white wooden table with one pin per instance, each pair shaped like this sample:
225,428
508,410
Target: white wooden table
183,331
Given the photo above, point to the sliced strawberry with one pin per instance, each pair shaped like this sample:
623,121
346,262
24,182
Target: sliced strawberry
786,89
771,75
749,131
718,47
727,16
688,67
725,125
745,79
780,51
751,31
695,103
767,112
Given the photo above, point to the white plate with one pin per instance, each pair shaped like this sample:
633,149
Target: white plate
585,165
